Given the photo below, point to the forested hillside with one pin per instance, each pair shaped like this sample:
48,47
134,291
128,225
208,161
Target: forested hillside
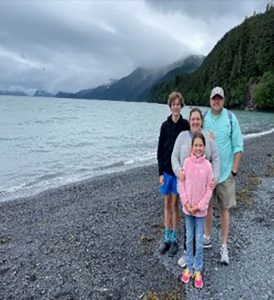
242,62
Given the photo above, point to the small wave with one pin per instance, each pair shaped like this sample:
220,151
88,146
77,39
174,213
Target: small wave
7,139
40,151
81,170
257,134
130,162
140,159
38,185
82,144
43,178
12,189
40,122
114,165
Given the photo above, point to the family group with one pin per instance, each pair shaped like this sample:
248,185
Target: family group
198,160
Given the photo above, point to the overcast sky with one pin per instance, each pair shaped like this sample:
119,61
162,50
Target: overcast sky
73,45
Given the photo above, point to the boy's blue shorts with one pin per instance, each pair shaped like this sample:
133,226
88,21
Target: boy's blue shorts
169,186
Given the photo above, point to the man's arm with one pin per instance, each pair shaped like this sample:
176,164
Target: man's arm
236,163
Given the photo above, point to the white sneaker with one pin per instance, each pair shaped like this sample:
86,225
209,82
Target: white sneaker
224,255
182,261
207,242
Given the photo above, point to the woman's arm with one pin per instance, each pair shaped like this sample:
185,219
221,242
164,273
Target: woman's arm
182,189
175,156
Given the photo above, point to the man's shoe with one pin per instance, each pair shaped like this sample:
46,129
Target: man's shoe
207,243
224,255
182,260
198,280
186,275
173,249
164,248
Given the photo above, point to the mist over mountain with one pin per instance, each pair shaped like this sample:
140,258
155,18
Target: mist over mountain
136,86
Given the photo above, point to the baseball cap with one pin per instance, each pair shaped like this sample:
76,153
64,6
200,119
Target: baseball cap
217,91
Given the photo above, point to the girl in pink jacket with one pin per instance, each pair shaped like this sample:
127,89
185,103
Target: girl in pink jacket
195,194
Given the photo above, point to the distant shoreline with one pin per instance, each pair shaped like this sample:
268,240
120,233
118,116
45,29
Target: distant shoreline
23,94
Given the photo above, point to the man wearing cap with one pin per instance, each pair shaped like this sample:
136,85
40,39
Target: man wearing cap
225,129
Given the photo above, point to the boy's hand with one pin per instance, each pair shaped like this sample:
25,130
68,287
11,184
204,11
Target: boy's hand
162,179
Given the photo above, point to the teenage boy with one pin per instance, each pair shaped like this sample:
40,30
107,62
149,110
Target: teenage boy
169,131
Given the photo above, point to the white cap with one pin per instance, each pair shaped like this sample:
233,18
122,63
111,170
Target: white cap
217,91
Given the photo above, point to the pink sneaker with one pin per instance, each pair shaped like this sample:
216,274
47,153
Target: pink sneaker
198,280
185,276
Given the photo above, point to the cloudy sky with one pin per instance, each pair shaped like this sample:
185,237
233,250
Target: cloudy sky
72,45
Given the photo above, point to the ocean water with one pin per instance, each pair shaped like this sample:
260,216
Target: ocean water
48,142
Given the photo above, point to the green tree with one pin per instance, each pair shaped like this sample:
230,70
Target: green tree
264,91
237,63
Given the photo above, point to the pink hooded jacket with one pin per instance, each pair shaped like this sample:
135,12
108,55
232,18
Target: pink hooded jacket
195,187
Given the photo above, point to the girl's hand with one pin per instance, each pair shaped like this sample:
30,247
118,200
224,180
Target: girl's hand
195,209
188,208
182,175
162,179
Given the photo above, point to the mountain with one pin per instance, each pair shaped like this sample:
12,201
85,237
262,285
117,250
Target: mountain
13,93
127,88
64,95
136,85
189,65
42,93
242,62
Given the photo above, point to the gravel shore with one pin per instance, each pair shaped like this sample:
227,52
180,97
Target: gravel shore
98,239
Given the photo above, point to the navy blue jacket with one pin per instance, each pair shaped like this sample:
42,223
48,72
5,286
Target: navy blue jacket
168,135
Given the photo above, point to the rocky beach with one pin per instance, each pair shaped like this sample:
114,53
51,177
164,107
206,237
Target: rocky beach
99,238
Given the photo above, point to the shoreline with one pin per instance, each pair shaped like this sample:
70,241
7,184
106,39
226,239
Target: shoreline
98,238
123,167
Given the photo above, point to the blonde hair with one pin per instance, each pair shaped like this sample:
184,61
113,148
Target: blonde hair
173,96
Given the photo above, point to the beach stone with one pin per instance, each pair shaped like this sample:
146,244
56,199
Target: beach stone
99,239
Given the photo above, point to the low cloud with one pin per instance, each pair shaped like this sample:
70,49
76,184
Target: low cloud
73,45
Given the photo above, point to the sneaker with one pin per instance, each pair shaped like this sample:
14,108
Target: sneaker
185,276
207,243
198,280
182,260
164,248
224,255
173,249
